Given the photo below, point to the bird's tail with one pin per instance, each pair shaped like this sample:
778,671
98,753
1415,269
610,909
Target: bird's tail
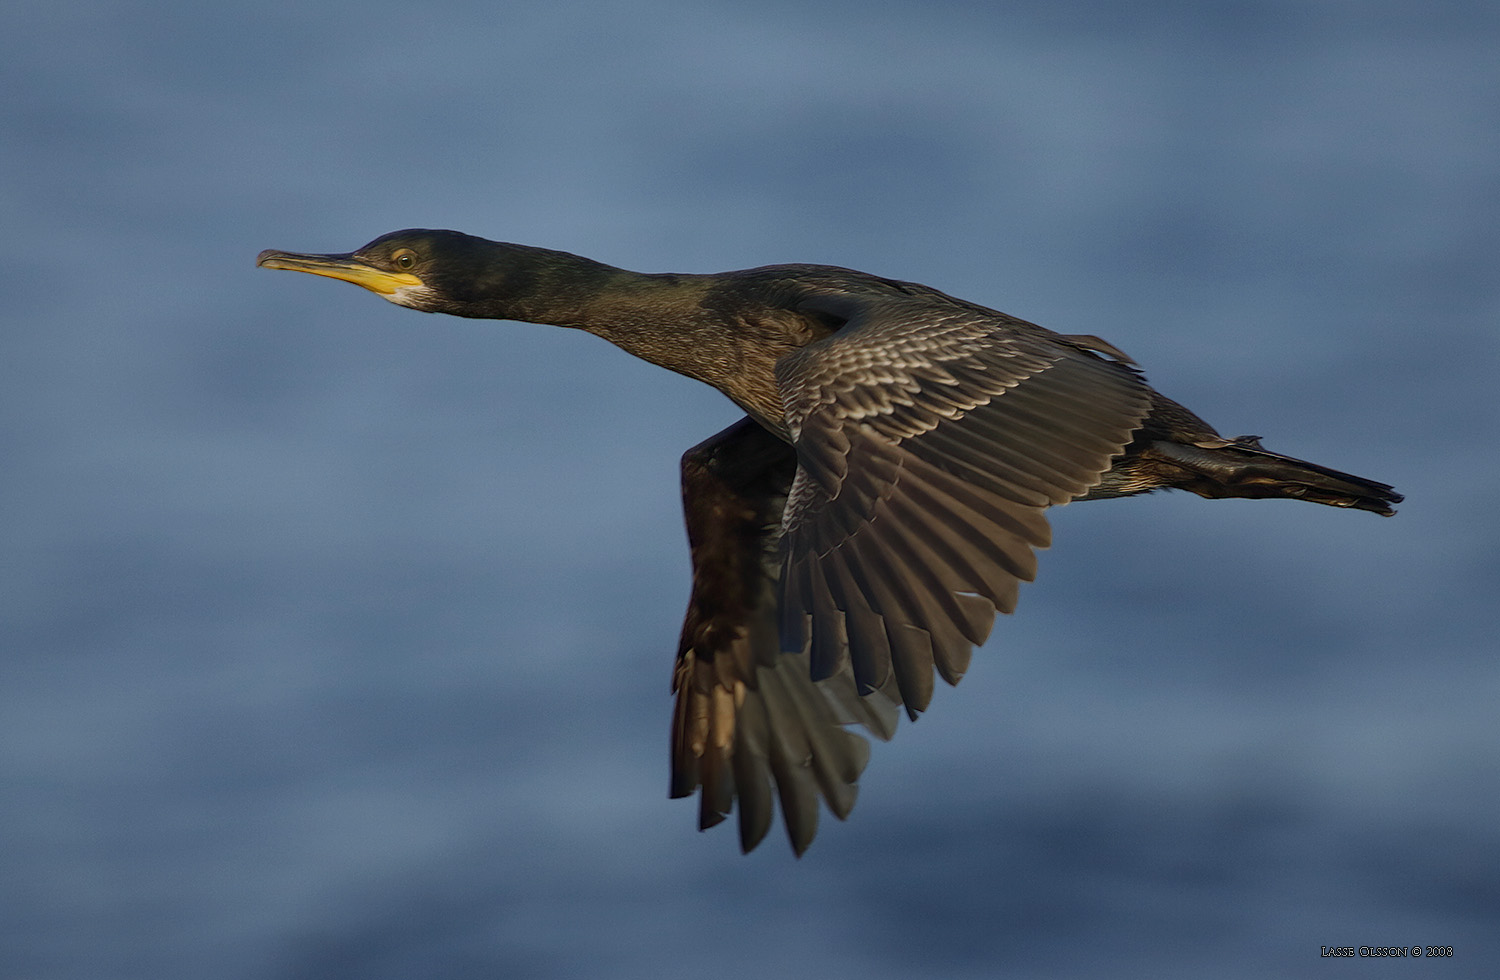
1241,468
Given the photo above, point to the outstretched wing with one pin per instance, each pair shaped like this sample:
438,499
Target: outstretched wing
832,576
748,715
929,440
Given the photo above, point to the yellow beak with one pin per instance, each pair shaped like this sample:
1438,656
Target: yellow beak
342,266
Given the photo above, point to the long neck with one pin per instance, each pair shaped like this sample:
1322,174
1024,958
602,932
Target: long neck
685,323
660,318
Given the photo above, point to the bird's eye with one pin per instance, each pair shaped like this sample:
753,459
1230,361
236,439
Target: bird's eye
404,259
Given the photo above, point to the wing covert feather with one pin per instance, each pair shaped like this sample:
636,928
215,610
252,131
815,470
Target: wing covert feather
929,440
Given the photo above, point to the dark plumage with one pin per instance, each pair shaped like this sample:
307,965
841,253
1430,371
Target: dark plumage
885,497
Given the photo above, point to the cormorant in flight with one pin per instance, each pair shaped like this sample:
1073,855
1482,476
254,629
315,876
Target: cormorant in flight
881,501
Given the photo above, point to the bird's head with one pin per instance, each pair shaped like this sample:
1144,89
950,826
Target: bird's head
428,270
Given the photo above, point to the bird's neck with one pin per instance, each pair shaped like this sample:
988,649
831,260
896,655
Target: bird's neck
660,318
678,322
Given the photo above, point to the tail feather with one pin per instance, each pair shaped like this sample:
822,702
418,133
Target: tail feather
1241,468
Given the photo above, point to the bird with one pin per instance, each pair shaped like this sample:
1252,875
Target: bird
884,496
